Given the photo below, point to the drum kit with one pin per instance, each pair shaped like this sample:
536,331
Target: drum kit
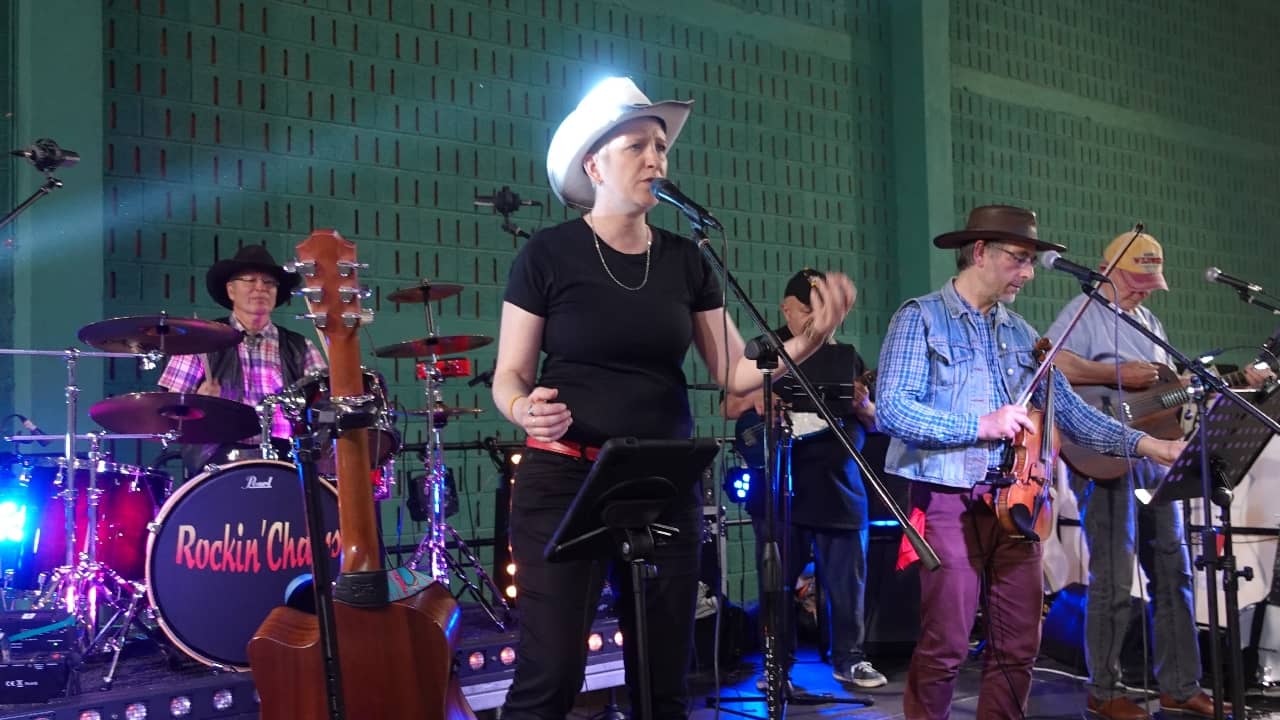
117,546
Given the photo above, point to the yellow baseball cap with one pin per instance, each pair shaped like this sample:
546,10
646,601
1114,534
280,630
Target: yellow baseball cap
1142,264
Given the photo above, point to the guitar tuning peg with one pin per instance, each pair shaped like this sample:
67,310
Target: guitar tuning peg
306,268
352,319
349,294
310,294
319,319
345,267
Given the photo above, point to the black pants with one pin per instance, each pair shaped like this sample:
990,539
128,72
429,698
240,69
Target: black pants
557,601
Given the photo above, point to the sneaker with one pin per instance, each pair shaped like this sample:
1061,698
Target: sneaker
862,675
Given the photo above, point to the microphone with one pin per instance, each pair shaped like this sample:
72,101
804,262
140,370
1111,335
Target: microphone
1213,274
665,190
32,428
46,155
1053,260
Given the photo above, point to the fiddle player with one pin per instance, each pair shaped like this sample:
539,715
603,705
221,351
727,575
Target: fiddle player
828,500
951,365
269,358
1115,526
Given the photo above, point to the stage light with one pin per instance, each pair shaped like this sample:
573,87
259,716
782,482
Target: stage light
476,660
90,715
13,521
135,711
617,638
515,458
180,706
594,642
507,656
223,699
511,592
884,523
511,568
737,484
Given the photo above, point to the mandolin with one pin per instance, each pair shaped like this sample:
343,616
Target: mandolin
395,629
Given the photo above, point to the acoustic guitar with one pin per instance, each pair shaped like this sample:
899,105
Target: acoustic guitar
1156,411
396,628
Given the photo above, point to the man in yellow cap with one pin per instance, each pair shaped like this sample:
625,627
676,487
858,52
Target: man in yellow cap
1100,350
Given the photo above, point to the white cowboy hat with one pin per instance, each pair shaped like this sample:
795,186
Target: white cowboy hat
608,105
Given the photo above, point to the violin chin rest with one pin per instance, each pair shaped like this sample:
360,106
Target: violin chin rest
1021,516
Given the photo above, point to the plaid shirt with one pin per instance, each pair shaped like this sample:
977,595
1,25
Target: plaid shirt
904,379
260,365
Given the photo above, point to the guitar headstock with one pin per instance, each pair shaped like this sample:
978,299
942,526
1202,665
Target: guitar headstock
331,286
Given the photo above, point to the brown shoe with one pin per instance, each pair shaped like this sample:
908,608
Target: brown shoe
1199,704
1118,708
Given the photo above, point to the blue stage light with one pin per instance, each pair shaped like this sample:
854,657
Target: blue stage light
737,484
13,520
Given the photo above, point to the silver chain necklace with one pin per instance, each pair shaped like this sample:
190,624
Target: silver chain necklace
648,251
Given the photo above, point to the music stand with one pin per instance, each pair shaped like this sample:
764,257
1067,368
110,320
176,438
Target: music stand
631,483
1235,441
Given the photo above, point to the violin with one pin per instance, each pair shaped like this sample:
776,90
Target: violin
1023,502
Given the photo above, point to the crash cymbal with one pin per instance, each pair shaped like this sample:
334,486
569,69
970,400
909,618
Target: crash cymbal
433,345
442,412
161,333
424,292
195,418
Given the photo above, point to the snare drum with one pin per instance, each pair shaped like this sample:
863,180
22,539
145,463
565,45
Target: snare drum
228,547
384,439
125,506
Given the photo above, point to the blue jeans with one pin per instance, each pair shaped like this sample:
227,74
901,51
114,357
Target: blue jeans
1107,513
840,565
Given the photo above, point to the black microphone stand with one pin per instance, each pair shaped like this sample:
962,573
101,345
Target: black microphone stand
1211,562
767,353
51,183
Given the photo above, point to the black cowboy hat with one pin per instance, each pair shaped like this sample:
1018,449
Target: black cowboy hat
257,259
1002,223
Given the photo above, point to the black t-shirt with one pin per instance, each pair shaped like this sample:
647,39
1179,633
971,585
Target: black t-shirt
827,489
615,355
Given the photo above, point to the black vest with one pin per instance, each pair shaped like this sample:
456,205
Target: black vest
226,370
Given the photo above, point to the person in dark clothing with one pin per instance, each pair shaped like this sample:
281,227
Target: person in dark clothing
612,305
828,500
269,359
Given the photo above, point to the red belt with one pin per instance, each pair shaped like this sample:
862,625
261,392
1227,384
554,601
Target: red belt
565,447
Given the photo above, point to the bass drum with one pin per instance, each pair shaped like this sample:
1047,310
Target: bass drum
228,547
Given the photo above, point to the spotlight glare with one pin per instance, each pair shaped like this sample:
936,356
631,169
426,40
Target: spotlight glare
13,521
595,642
135,711
511,568
515,458
507,656
90,715
617,638
476,660
180,706
223,700
511,591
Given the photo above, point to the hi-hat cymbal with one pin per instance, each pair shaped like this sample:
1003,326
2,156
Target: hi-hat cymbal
169,335
195,418
424,292
433,345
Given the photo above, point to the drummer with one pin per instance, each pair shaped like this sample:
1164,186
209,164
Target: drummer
269,359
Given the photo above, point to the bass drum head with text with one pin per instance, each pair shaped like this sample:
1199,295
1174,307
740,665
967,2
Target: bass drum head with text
226,549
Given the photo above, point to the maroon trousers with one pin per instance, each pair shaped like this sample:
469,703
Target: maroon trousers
975,554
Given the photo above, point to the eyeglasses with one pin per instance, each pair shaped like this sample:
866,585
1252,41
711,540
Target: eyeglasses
1021,260
264,281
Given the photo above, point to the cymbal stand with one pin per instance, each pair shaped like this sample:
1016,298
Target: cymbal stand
82,583
434,542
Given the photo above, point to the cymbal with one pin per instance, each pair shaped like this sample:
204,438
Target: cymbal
195,418
433,345
424,292
442,412
169,335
